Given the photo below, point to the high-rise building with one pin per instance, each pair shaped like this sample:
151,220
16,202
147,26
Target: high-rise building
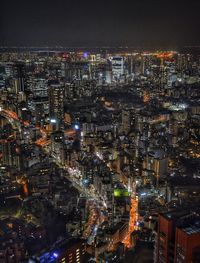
19,75
57,146
117,67
72,251
126,121
178,237
40,87
56,103
11,154
156,162
187,247
76,70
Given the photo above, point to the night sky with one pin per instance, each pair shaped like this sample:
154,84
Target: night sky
146,23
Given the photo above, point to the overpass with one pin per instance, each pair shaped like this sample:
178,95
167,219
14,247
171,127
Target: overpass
11,117
16,123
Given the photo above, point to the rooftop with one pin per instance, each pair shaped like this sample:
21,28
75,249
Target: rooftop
192,230
175,215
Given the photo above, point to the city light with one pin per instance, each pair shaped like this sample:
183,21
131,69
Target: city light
77,127
55,255
85,54
53,121
132,222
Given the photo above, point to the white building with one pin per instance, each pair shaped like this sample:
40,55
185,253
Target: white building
117,67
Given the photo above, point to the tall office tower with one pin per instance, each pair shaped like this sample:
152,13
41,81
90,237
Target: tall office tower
39,112
104,73
163,75
77,70
145,64
39,102
19,76
129,65
39,87
117,67
184,62
11,154
126,121
2,76
57,146
108,76
160,166
157,162
56,104
178,238
63,69
39,107
187,246
181,62
9,69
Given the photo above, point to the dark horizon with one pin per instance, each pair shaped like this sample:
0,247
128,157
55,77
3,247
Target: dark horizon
69,23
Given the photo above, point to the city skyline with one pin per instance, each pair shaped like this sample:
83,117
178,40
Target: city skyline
99,156
99,131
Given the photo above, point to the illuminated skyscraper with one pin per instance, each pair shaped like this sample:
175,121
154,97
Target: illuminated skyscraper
40,87
19,75
57,145
117,67
56,103
11,154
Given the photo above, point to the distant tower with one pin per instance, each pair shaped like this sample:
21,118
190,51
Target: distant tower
19,76
117,67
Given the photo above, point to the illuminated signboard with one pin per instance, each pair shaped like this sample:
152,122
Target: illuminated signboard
121,193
